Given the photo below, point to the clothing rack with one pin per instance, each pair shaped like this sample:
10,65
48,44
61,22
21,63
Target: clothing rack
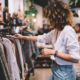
8,30
5,30
27,33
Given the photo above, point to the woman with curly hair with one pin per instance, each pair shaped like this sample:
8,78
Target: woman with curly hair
65,50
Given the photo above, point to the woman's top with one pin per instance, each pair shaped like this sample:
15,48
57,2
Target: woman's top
66,42
78,35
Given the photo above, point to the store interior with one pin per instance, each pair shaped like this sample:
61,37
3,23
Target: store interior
26,17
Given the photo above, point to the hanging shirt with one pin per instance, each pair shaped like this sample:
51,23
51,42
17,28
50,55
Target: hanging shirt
13,68
21,56
65,42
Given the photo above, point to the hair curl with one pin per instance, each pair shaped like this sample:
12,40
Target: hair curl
58,14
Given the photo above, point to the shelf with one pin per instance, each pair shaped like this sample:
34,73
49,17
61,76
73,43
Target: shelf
11,24
5,29
43,61
42,66
40,56
2,23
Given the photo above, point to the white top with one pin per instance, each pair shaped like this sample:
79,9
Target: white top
78,35
66,43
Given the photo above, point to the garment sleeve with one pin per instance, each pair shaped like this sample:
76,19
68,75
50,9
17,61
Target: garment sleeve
72,44
46,38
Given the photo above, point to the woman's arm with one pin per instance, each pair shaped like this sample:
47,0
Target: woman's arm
67,57
30,38
61,55
45,38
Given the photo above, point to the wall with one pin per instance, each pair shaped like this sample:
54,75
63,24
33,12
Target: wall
3,3
14,5
39,18
75,19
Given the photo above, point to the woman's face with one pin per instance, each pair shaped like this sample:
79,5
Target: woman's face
77,28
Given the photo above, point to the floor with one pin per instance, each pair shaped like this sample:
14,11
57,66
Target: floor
41,74
77,67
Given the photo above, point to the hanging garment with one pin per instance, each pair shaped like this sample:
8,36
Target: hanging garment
3,65
13,68
5,52
21,57
17,56
33,55
27,51
36,47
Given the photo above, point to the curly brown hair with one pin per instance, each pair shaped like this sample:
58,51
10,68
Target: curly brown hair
58,14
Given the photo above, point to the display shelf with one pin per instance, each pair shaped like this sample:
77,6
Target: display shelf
40,56
43,67
2,23
42,62
5,29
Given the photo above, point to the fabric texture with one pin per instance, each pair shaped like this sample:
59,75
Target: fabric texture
21,56
5,75
17,56
62,72
13,68
28,50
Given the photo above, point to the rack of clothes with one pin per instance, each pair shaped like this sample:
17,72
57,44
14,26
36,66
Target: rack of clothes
30,51
16,56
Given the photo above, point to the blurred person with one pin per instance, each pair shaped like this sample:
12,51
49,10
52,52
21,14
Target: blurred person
77,29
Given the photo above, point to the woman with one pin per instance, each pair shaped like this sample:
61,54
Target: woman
65,50
77,29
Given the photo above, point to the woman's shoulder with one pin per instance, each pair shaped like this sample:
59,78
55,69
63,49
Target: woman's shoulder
68,29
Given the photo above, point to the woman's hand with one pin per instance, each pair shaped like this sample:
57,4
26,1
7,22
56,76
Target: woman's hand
18,36
47,52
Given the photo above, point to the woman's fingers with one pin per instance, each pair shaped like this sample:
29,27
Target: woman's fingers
18,36
43,52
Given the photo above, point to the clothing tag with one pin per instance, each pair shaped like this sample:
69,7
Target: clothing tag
22,41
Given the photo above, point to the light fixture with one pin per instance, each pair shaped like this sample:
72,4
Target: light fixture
28,20
33,14
34,20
